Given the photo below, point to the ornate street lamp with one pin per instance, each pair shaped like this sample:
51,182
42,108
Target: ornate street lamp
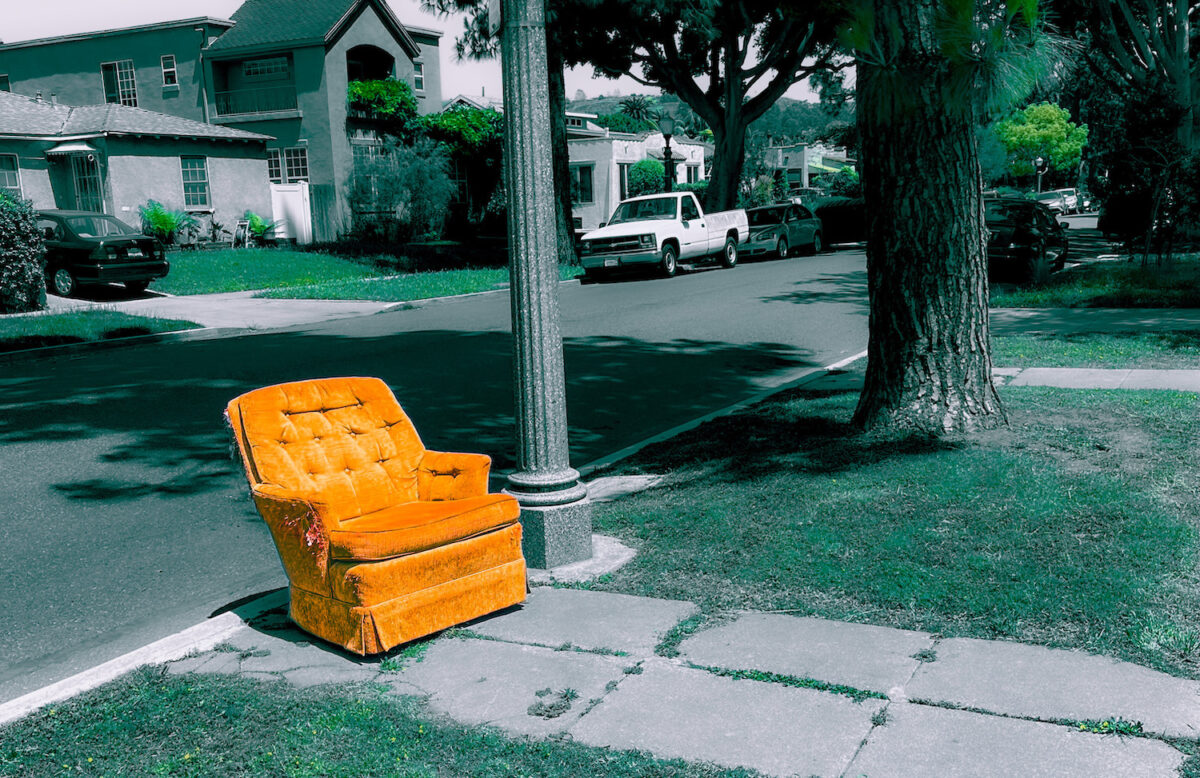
666,125
1039,165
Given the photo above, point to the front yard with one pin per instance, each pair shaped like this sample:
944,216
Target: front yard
56,329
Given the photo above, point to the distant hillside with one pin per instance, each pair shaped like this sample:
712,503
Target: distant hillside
788,120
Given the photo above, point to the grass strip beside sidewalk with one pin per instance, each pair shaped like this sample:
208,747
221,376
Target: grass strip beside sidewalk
1173,350
1074,527
56,329
413,286
1117,284
150,723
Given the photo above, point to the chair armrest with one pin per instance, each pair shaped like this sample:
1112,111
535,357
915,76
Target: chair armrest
296,523
452,476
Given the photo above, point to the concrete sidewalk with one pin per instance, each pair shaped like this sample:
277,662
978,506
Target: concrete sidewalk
777,693
1096,378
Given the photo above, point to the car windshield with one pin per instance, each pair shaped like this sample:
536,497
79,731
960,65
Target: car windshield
641,210
999,212
98,226
765,217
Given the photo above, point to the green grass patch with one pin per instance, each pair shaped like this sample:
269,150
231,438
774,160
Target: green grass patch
149,723
1074,527
1117,284
57,329
1150,350
237,270
413,286
858,695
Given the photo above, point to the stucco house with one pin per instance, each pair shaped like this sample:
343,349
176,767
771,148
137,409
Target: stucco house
278,68
114,158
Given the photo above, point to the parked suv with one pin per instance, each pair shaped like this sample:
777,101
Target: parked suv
83,248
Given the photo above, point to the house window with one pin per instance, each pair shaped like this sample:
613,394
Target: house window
170,74
265,68
195,181
275,166
419,76
574,121
581,184
693,173
120,86
10,176
623,176
295,164
4,85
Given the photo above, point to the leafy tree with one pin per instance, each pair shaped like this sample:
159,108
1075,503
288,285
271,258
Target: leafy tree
473,139
387,99
637,107
729,60
1042,130
929,72
22,258
845,183
620,122
647,177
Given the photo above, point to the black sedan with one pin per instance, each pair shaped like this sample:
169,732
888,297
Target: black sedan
1025,242
83,248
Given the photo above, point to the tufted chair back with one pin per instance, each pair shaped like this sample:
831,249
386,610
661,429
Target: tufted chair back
343,441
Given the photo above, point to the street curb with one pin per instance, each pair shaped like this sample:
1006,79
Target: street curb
201,637
806,376
218,333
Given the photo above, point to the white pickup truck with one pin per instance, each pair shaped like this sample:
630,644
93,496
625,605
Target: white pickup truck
661,231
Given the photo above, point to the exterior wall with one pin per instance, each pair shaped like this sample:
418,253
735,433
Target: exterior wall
33,169
140,170
430,100
71,69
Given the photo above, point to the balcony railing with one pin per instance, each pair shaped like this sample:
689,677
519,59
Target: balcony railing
251,101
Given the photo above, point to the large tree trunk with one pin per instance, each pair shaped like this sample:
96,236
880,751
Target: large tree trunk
558,141
729,157
929,355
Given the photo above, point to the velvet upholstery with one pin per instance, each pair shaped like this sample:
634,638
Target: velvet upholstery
382,540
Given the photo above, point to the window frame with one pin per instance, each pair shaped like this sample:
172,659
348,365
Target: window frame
577,182
275,166
16,171
418,76
693,174
267,72
287,164
124,97
173,70
623,169
200,185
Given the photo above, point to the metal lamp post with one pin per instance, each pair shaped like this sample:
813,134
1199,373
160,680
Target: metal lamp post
666,125
1039,165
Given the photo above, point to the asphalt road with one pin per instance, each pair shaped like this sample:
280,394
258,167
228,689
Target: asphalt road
124,519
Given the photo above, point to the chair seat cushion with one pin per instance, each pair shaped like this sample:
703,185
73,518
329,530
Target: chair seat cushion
419,526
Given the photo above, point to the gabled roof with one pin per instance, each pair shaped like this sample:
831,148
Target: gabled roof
26,116
85,36
262,24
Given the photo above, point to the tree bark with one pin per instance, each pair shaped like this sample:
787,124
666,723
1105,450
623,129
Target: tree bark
558,140
929,354
729,158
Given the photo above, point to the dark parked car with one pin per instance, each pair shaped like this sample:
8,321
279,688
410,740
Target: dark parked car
776,230
1025,242
843,219
83,248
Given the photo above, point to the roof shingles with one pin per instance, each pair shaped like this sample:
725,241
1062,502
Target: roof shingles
267,22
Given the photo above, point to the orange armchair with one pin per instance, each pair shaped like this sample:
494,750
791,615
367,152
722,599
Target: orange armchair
382,540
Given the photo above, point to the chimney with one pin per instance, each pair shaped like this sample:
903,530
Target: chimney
53,98
38,97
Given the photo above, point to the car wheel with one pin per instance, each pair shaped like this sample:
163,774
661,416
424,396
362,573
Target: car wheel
1037,266
781,248
729,254
137,287
62,283
816,244
669,262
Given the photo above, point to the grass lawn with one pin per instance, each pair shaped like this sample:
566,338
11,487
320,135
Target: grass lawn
414,286
55,329
1077,526
1157,350
236,270
148,723
1115,284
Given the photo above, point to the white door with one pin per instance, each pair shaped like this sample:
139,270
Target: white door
291,210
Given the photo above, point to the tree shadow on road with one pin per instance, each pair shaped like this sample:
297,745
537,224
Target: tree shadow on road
849,287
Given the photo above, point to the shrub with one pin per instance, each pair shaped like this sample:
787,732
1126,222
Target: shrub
845,183
403,194
260,228
700,188
22,258
647,177
160,222
760,191
386,99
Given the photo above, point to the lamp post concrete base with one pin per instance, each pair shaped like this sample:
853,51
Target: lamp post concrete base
556,535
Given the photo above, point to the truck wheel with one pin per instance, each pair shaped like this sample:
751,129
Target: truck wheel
62,283
670,261
729,254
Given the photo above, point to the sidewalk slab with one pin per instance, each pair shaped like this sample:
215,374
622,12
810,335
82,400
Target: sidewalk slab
588,620
1178,380
676,712
859,655
921,741
1071,378
608,555
1036,682
612,487
479,682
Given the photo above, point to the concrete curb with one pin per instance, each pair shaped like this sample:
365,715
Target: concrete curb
201,637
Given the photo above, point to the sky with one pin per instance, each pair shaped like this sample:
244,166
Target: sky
28,19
